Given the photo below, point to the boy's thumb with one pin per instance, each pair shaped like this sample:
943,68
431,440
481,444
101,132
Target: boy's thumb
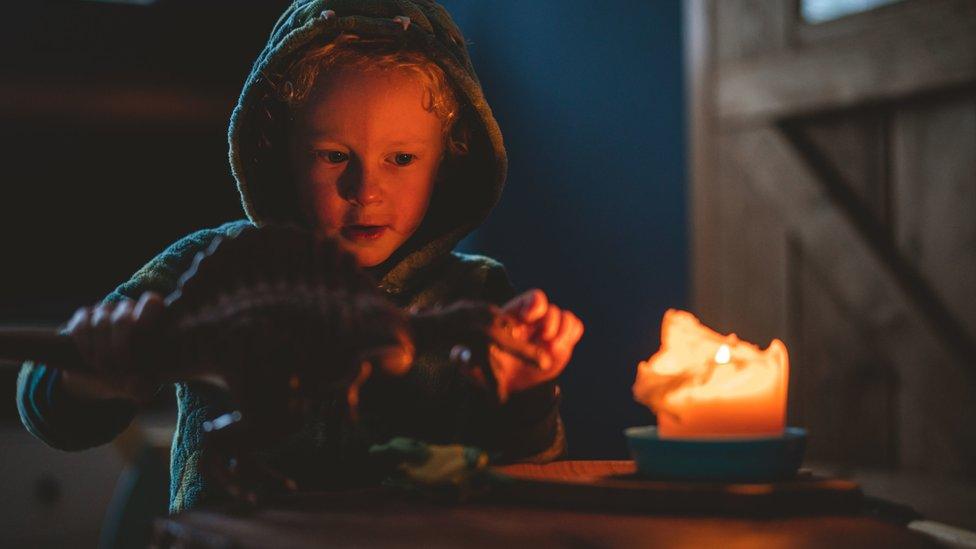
534,305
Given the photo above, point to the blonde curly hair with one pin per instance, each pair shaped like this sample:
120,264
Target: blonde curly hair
351,52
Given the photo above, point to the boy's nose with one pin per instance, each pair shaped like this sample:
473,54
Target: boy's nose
359,186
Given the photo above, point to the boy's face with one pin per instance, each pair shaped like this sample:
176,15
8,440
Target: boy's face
365,153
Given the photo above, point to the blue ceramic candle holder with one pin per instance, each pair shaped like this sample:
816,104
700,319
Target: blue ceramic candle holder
760,459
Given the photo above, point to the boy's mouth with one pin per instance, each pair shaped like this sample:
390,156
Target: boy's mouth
363,232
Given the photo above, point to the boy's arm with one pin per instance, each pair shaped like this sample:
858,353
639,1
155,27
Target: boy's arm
436,403
529,427
70,423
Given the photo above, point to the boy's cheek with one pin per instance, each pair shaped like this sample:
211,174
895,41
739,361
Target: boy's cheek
324,210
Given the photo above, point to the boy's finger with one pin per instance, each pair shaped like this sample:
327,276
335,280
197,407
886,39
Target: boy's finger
79,328
528,352
509,370
569,332
501,365
556,369
535,306
580,328
101,323
551,323
101,315
149,307
527,306
120,334
514,305
121,310
76,321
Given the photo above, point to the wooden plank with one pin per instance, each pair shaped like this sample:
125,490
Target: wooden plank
699,16
384,520
935,408
879,238
889,19
856,143
720,290
834,355
744,28
613,485
936,53
750,259
934,199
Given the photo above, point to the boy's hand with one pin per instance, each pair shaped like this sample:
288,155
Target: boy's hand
112,338
538,344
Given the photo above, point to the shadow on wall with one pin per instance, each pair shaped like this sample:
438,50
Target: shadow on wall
590,100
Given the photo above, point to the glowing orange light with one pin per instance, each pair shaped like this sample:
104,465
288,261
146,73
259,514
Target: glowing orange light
703,384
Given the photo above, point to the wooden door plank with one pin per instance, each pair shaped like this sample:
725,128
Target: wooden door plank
890,19
750,260
841,385
699,17
934,54
934,199
744,28
935,408
856,144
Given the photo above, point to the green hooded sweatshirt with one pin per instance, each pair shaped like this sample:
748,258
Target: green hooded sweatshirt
433,402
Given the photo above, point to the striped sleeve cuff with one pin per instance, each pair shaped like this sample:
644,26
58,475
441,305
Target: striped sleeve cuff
61,420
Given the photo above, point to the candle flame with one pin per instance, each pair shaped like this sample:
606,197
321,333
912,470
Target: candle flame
723,355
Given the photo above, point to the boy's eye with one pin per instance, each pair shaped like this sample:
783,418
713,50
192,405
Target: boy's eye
333,157
403,159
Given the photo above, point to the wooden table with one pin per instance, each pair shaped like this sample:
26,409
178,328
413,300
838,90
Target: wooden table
378,518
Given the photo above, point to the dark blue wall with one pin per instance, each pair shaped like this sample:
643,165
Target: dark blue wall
589,97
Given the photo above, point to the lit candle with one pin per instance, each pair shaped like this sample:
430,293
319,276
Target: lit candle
703,384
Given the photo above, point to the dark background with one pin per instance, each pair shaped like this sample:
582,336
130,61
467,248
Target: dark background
589,98
113,145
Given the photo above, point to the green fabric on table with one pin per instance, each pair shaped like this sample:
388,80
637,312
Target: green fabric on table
452,471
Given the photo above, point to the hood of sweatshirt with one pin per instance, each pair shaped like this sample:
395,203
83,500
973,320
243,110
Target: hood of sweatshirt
471,187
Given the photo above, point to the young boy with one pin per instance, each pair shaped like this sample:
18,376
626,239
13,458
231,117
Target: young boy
361,120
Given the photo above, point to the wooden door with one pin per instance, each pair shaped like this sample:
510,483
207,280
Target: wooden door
833,204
